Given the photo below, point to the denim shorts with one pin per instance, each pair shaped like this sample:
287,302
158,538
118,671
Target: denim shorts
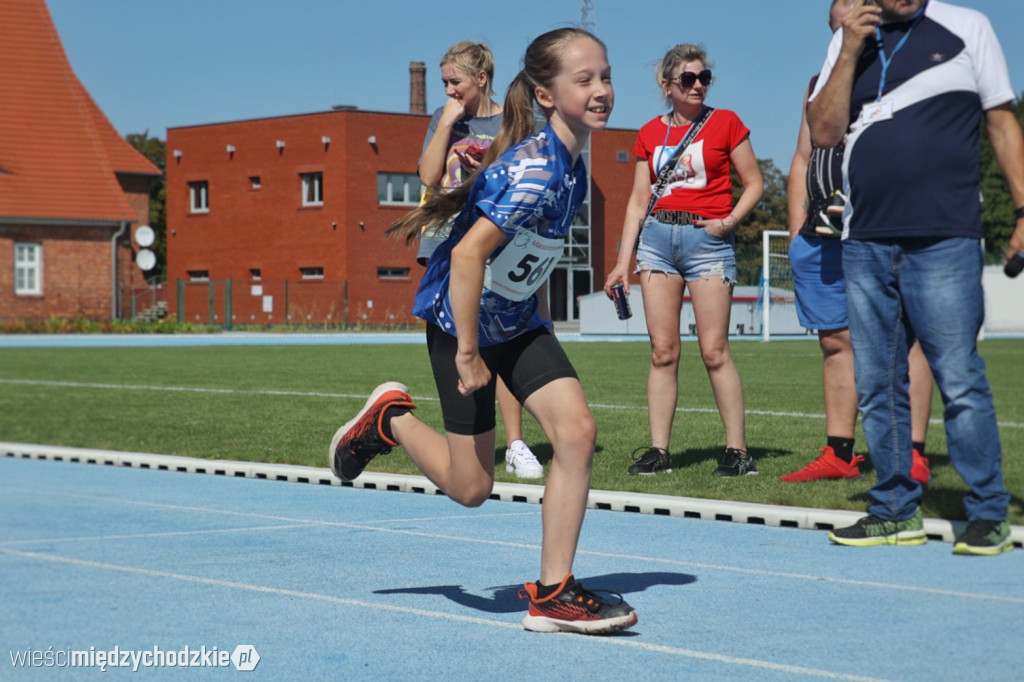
687,250
819,283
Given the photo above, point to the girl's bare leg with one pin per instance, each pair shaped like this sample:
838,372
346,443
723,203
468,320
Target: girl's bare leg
462,466
562,411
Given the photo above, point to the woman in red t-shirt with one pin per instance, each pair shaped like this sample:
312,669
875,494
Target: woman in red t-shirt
688,241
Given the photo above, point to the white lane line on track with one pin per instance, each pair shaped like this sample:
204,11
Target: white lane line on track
146,536
293,523
317,394
378,606
519,545
247,586
178,389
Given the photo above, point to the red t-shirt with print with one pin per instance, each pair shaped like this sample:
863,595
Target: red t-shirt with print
701,182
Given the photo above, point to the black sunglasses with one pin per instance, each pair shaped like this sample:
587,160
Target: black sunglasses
687,79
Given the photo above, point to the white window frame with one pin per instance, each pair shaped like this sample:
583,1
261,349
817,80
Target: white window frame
312,272
392,273
390,193
199,196
199,275
28,268
313,189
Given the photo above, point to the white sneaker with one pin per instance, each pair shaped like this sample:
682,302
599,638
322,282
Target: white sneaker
521,461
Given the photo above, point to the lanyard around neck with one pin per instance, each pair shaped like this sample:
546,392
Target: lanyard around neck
887,60
686,139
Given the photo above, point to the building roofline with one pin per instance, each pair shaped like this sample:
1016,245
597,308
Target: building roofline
36,221
142,174
331,112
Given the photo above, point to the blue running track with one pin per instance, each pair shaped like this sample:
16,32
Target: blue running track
331,582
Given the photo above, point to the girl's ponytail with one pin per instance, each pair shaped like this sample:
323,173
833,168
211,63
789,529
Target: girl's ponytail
541,65
517,124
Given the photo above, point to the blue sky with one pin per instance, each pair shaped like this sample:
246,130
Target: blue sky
158,64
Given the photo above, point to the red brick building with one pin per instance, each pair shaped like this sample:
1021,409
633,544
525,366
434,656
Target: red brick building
287,215
72,191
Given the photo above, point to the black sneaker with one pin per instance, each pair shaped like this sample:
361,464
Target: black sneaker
362,438
574,609
652,461
984,538
736,463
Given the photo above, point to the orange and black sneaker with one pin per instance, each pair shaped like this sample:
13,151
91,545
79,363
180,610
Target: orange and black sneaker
827,466
363,437
571,608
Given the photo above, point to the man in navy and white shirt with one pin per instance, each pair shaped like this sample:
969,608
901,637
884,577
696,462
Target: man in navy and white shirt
906,83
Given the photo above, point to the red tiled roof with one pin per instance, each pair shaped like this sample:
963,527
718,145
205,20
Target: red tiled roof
59,155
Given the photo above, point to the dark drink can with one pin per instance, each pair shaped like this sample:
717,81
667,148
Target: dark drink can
1014,265
622,306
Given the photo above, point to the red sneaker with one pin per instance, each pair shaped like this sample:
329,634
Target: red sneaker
827,466
361,438
920,471
575,609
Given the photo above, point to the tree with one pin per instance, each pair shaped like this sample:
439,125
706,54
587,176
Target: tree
770,213
155,150
997,220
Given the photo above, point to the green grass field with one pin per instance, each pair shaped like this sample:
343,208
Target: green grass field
283,403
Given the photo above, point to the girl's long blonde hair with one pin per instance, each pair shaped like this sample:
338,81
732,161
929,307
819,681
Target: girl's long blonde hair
541,64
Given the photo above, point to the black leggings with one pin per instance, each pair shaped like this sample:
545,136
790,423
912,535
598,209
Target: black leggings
525,363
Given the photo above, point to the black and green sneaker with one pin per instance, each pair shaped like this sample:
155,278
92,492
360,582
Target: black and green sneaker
984,538
872,530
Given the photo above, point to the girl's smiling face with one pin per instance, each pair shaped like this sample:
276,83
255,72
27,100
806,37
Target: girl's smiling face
581,95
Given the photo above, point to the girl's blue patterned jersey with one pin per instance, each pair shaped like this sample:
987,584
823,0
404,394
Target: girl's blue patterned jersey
532,193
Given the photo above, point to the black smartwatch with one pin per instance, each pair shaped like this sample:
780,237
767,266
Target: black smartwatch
1019,213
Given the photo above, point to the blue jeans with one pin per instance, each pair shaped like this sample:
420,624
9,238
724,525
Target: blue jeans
929,289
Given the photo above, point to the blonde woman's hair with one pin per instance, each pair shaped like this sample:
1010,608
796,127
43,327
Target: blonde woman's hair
472,58
541,64
683,53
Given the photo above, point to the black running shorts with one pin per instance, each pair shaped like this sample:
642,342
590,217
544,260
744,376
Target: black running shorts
525,363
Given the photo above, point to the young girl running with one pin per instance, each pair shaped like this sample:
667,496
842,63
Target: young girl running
484,318
458,134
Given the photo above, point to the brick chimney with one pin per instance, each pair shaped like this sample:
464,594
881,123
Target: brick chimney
417,88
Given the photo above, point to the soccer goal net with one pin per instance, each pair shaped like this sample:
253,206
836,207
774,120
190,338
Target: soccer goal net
775,288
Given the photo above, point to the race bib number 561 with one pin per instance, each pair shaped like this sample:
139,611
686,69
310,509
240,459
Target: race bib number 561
523,266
